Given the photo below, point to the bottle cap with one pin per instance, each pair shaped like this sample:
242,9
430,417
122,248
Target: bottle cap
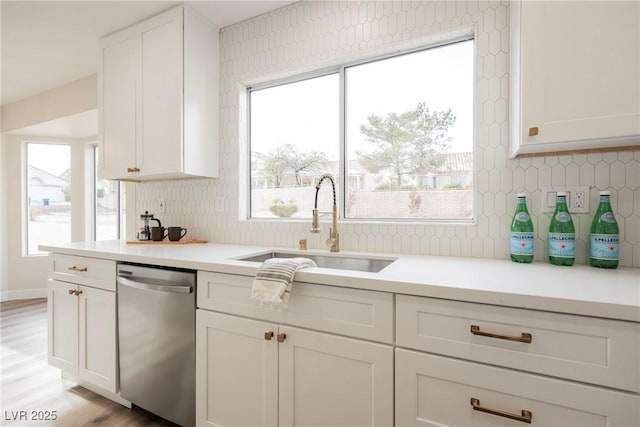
561,193
522,194
605,193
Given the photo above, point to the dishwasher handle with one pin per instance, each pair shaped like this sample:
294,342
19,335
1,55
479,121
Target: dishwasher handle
182,289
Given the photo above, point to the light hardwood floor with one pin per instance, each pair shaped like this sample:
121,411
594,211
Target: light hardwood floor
29,387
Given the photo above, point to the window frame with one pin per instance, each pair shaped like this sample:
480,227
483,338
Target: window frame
342,182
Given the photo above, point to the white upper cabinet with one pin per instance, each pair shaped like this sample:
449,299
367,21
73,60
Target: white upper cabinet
575,68
158,99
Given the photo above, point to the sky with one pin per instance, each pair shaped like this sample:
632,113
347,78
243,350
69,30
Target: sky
306,112
51,158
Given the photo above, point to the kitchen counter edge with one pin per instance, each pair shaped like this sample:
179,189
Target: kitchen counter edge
581,290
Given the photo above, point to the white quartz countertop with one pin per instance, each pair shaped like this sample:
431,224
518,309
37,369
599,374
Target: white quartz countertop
580,289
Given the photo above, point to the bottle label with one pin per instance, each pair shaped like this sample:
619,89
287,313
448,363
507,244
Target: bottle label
563,217
522,217
521,243
604,246
608,217
562,245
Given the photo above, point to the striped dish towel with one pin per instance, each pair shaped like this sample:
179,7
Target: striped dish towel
272,283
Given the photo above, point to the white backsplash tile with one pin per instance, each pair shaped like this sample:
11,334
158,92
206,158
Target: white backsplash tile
309,35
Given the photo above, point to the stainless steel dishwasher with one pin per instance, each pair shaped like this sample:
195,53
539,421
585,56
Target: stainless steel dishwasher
156,327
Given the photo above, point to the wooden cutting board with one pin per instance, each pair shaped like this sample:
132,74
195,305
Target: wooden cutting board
164,242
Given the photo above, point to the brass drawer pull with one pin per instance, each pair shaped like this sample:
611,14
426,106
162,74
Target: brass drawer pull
268,335
524,337
525,417
74,268
133,170
281,337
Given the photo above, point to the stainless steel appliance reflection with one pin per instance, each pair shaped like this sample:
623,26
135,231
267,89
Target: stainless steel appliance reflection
156,326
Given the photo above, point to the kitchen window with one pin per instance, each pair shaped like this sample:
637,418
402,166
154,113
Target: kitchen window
108,207
48,209
396,133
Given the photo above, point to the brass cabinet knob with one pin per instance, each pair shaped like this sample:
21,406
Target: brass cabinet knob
78,292
72,291
533,131
268,335
281,337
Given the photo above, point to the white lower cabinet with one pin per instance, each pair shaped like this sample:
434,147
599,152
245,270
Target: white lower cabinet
469,364
327,380
440,391
255,373
82,333
82,320
237,371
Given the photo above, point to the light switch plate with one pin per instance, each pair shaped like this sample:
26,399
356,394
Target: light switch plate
577,198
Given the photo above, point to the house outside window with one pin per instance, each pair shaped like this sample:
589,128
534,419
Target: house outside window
48,195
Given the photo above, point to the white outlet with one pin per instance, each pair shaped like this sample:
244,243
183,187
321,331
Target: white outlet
577,198
161,206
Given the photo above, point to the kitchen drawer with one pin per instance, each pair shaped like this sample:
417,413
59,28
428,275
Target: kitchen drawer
351,312
94,272
592,350
433,390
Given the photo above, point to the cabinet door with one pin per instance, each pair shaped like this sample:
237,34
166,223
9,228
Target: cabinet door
117,105
237,365
439,391
63,325
160,96
577,64
97,337
326,380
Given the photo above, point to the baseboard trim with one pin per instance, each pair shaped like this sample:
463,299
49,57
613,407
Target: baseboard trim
23,294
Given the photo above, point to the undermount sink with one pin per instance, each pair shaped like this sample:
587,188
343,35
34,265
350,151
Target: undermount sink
371,265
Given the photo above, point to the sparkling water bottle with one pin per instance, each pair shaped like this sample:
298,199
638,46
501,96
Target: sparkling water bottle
562,234
521,233
605,235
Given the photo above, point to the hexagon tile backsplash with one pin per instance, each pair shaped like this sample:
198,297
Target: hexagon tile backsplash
311,35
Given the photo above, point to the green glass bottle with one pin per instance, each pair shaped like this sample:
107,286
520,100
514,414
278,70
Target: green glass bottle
605,235
562,234
522,233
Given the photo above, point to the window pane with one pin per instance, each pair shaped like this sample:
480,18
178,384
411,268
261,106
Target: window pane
107,210
294,139
107,206
409,135
48,195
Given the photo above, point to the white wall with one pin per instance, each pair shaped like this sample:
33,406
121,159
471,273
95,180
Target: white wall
26,276
311,35
67,100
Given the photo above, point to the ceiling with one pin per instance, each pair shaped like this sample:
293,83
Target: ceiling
46,44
